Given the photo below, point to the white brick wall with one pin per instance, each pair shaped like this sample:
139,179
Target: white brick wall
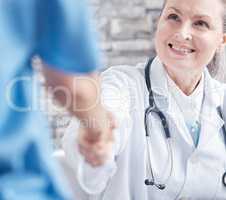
126,28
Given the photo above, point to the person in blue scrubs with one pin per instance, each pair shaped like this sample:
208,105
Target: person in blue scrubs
61,34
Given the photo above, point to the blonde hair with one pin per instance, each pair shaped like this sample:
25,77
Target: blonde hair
217,66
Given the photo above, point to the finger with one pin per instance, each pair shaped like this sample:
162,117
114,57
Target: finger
93,152
96,154
100,148
94,162
86,136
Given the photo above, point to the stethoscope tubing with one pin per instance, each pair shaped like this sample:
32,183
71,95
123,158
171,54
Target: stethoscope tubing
153,108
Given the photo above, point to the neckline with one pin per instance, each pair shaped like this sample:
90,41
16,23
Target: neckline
189,106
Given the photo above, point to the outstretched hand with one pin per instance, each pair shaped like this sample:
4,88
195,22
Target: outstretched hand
95,142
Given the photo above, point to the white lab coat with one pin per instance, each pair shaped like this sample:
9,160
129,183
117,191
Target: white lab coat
197,172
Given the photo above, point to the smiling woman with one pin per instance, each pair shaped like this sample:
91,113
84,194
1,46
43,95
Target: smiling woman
188,37
170,139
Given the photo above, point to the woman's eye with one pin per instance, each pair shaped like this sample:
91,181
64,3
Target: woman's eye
173,17
201,23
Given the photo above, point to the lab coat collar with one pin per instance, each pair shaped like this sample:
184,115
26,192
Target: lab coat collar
212,89
213,95
158,78
159,84
210,118
165,101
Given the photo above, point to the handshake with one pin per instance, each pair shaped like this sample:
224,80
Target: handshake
95,142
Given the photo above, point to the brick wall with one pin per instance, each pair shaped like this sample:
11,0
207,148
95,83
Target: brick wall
127,29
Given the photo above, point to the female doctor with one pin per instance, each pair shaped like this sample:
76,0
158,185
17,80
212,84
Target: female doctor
170,139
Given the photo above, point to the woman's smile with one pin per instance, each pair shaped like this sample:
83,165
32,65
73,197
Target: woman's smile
180,50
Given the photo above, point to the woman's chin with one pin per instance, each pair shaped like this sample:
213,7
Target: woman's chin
180,64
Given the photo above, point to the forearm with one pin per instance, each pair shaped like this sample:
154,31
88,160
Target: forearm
80,95
88,102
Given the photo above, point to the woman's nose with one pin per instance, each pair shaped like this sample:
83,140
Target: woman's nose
184,33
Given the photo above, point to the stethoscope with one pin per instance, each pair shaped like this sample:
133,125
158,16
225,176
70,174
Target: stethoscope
152,108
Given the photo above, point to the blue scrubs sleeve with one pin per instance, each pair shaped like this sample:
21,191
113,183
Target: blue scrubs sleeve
66,37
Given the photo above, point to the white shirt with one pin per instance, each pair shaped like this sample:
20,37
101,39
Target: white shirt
190,106
197,172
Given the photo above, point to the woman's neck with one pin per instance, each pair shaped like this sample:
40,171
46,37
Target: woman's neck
186,80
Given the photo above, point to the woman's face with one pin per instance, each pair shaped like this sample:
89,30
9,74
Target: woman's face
189,32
